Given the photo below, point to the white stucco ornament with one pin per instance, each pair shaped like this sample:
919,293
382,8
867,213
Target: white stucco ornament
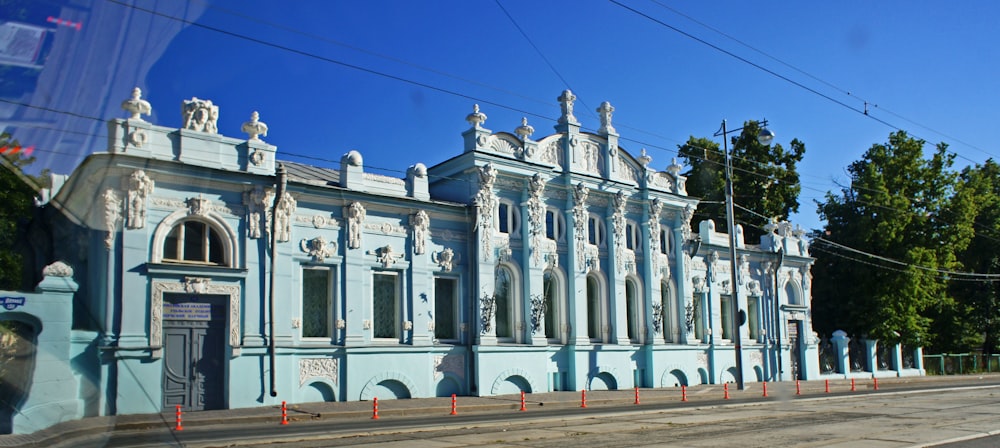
566,103
136,106
605,113
524,130
200,115
58,269
476,118
254,127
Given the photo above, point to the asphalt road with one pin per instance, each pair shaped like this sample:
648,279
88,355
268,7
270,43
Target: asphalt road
900,418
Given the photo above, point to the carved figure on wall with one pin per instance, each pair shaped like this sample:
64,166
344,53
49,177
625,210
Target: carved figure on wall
655,207
254,127
421,224
256,201
283,217
318,248
536,213
580,194
199,206
446,259
619,228
485,202
136,106
200,115
688,214
690,308
140,187
112,214
355,217
566,103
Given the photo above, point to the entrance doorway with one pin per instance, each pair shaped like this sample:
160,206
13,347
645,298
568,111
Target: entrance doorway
794,350
194,363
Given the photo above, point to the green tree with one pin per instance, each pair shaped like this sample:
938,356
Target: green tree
976,208
765,179
17,194
893,209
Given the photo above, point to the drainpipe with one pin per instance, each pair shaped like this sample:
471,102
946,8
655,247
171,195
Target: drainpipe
282,182
777,310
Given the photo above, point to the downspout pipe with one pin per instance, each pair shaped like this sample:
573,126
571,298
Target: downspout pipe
279,194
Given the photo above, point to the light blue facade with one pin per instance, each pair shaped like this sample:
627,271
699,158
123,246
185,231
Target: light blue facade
563,263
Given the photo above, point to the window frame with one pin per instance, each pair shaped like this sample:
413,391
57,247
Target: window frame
510,307
397,306
455,309
597,301
210,235
596,231
331,301
511,219
555,227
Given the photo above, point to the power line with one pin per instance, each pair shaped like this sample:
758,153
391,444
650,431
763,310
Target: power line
770,72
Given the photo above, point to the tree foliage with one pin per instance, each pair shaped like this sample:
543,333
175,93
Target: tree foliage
17,194
899,206
765,178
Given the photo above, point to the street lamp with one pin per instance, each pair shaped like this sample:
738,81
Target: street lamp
764,137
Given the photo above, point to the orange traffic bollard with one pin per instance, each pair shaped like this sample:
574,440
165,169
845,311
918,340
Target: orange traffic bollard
798,388
725,388
375,408
876,382
765,389
852,385
583,398
284,414
684,393
454,405
523,408
637,395
827,386
178,427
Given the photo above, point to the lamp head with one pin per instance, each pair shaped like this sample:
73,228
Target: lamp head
765,137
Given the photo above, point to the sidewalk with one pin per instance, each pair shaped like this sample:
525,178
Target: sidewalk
702,395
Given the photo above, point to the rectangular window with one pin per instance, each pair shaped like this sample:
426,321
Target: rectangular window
592,231
663,241
629,236
752,320
317,303
445,312
385,306
726,307
699,319
503,218
550,225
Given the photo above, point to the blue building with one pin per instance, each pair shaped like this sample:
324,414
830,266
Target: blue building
195,269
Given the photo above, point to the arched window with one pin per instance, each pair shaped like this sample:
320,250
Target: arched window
550,284
632,310
664,241
504,294
194,242
593,308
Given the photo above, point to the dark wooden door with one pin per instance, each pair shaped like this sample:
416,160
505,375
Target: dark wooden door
194,364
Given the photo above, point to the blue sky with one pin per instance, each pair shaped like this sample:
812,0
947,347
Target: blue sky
925,67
